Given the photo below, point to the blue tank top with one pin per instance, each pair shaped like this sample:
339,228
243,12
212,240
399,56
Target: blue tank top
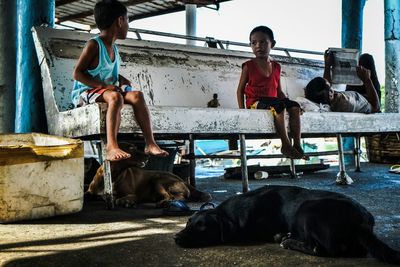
106,71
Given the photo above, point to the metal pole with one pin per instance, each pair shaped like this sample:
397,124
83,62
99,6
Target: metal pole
191,26
357,152
243,157
30,113
392,55
352,28
342,178
293,173
192,161
108,186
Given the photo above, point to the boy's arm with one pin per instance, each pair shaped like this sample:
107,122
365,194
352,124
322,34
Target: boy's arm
372,97
85,62
124,81
241,86
328,64
281,94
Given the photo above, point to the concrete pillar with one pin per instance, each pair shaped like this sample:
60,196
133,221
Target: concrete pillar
352,23
352,28
191,19
30,113
7,68
392,55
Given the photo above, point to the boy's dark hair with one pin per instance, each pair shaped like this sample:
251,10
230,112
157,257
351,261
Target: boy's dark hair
106,11
317,90
263,29
367,61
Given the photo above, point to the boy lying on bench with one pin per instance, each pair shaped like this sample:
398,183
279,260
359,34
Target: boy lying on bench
319,91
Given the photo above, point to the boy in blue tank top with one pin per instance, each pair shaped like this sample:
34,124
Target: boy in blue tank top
97,79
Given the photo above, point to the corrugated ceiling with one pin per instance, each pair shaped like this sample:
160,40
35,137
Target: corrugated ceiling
81,11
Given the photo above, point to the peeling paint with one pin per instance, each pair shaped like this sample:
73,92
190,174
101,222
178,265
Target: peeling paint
391,27
392,50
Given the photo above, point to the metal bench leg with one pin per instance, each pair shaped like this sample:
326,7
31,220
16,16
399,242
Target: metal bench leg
293,173
192,161
243,158
99,152
108,190
357,153
342,178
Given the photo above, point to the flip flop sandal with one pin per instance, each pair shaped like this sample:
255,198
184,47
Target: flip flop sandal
395,169
208,206
178,208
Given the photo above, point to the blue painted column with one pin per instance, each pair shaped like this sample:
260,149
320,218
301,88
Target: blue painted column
352,23
392,55
352,28
29,112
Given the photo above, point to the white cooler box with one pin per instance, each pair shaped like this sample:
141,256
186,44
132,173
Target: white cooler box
40,176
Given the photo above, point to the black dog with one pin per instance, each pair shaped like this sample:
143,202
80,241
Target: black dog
316,222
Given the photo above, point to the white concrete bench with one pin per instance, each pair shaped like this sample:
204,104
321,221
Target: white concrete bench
177,82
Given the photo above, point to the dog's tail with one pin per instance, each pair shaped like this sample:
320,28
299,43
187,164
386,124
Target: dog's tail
377,248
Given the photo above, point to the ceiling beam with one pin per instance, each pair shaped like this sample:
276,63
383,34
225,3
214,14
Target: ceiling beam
157,13
64,2
87,13
75,16
136,2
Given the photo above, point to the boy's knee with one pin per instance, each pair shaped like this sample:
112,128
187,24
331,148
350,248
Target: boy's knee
135,96
115,98
294,110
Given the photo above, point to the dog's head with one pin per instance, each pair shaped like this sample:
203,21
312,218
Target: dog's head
179,190
204,228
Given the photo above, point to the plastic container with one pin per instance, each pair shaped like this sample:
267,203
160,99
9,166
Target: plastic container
40,176
260,175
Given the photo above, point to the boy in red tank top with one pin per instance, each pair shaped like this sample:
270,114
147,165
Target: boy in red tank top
260,83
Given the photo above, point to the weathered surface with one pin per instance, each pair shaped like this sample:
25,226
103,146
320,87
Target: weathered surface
177,82
392,57
40,176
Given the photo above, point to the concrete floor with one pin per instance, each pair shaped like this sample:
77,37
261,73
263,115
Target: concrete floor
143,237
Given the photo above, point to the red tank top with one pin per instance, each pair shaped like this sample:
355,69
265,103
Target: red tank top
259,85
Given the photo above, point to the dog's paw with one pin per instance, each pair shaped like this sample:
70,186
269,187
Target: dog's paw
124,202
282,237
287,243
278,237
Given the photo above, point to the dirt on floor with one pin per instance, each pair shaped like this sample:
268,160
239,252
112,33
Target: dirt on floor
144,237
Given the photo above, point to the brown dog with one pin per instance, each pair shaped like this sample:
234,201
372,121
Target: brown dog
138,159
133,185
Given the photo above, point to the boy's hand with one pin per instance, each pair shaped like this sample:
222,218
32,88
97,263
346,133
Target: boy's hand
328,59
110,87
363,73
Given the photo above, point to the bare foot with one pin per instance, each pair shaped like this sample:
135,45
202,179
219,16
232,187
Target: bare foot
290,152
155,150
301,151
116,154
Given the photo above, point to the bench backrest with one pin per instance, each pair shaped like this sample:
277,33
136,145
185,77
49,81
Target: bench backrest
168,74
